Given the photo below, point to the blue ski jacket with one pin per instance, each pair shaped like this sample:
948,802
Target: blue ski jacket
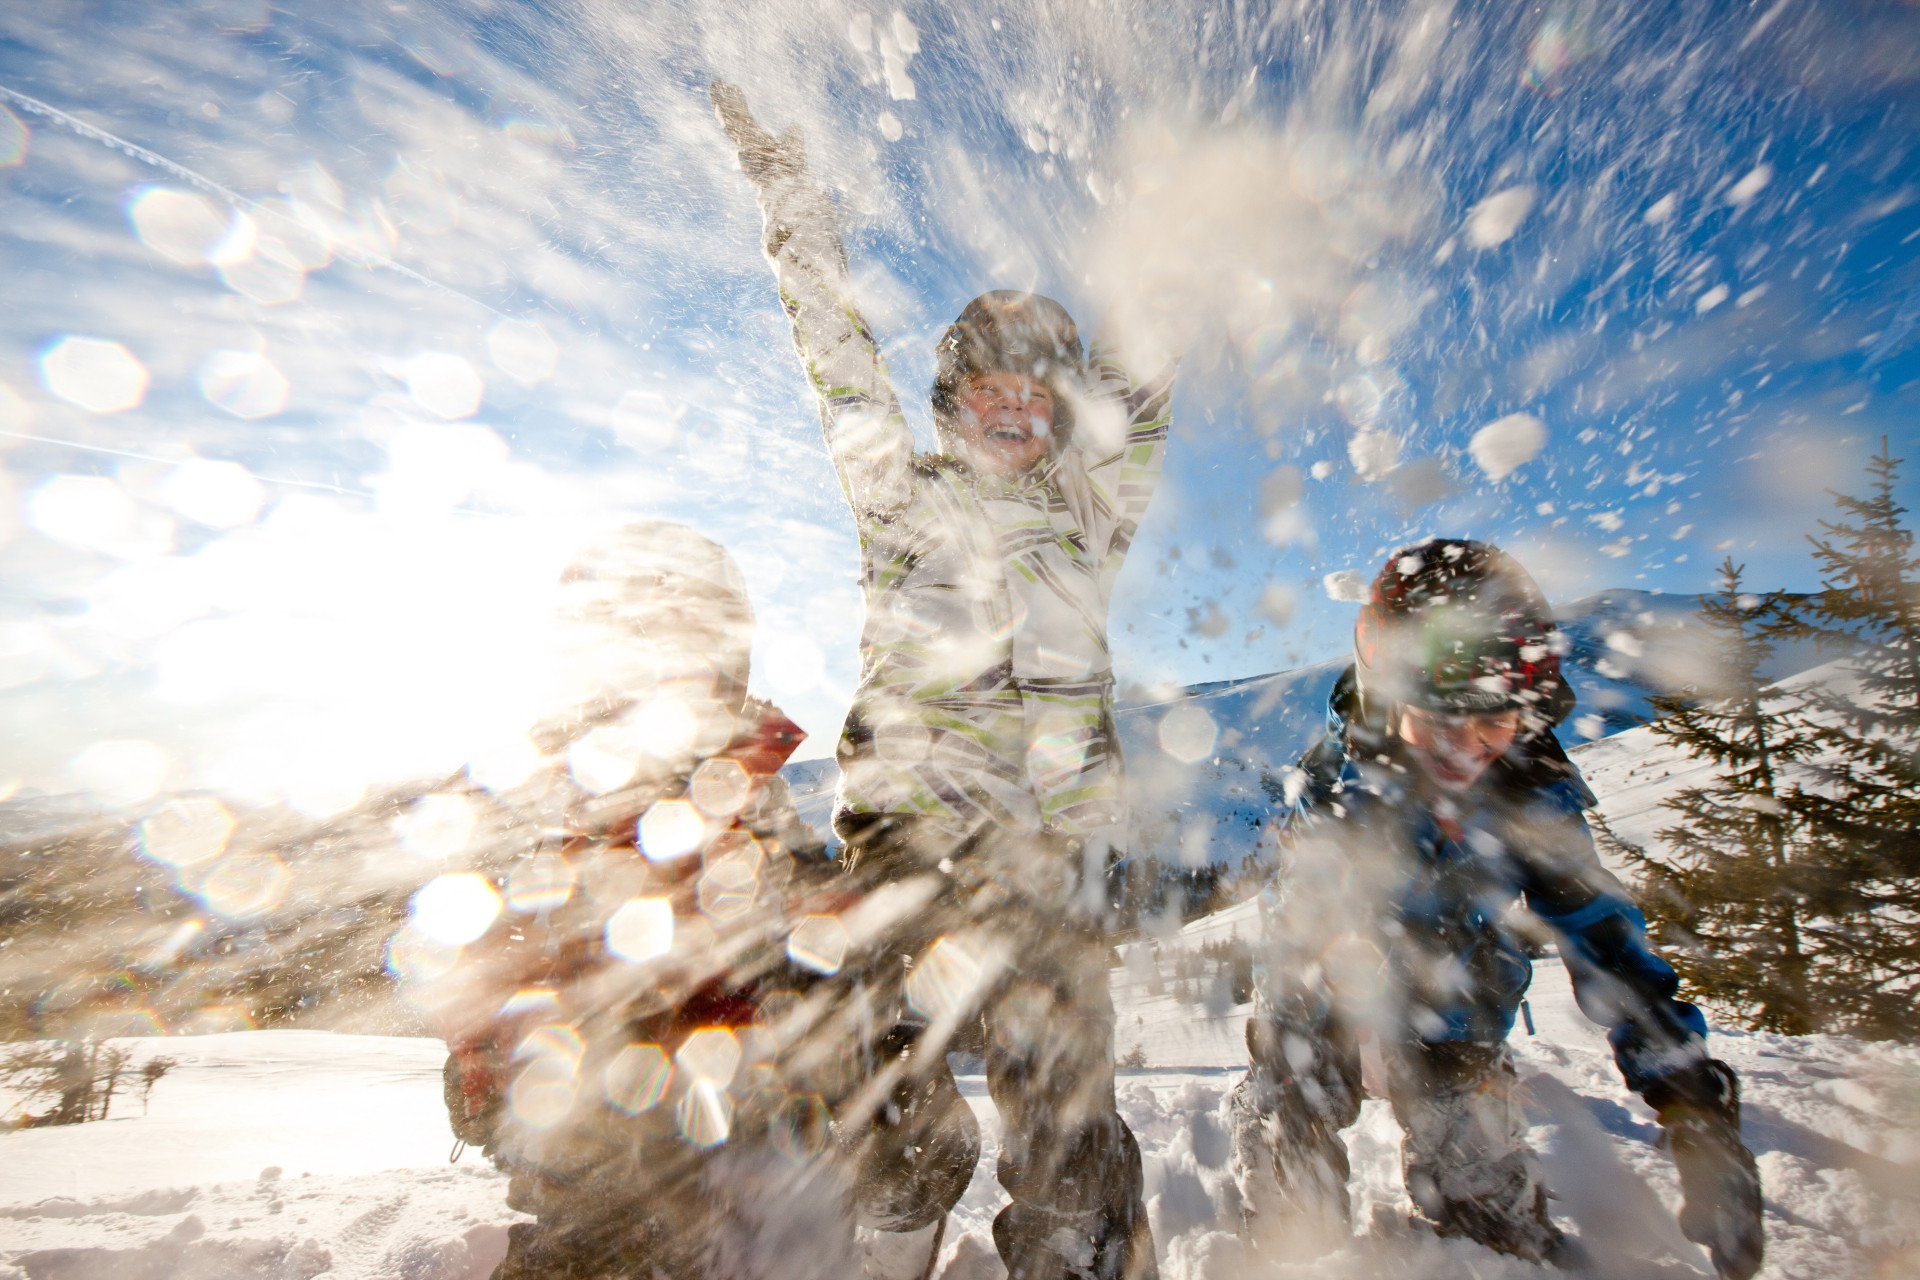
1415,916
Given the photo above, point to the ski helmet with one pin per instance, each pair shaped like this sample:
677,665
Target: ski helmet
1457,626
1008,330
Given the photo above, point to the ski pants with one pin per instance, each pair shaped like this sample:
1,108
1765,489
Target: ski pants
1045,1031
1468,1169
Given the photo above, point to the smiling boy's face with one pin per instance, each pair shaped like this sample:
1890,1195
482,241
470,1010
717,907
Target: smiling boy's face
1006,420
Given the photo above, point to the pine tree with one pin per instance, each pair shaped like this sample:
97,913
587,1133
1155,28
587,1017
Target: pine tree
1729,896
1866,800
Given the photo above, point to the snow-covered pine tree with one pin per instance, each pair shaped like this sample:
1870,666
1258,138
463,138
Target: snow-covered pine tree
1867,800
1728,895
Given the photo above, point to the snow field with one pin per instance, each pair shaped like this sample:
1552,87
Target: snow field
355,1129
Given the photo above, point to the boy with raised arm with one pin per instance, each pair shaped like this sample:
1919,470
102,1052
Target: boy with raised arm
979,767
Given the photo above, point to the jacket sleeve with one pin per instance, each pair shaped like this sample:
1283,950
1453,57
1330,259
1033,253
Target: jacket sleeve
1124,440
867,436
1618,981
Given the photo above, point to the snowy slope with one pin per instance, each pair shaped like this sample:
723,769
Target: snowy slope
1635,773
306,1153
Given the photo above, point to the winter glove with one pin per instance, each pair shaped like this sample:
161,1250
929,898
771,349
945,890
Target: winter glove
471,1085
1699,1110
765,158
799,215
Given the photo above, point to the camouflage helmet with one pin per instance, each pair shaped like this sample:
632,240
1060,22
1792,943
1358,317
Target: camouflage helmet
1457,626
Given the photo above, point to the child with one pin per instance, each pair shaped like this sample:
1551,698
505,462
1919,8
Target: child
980,751
1439,798
611,1049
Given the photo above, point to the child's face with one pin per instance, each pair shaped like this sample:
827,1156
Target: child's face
1453,751
1007,421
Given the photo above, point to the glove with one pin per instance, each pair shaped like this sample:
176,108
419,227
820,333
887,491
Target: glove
799,215
764,157
1699,1110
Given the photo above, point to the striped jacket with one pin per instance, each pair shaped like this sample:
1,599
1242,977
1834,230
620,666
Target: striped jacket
986,686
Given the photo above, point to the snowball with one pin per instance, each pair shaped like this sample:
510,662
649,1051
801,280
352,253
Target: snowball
1347,586
1373,453
1743,191
1506,444
1494,220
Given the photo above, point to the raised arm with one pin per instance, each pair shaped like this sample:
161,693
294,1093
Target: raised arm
867,436
1124,443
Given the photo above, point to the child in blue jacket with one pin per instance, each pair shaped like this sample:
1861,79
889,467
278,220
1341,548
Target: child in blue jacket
1434,830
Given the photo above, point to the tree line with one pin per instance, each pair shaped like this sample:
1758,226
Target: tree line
1786,889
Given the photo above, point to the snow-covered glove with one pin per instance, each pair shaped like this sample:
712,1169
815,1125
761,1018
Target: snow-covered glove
763,157
790,200
1699,1109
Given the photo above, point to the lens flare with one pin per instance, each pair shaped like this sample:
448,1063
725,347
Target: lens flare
945,981
83,511
271,274
120,772
637,1078
666,728
670,829
244,383
436,827
819,943
541,883
505,765
454,910
185,832
417,960
645,421
13,139
97,375
245,885
728,888
720,787
1188,733
711,1053
544,1091
530,1000
214,1019
179,940
641,929
604,760
180,226
801,1126
705,1115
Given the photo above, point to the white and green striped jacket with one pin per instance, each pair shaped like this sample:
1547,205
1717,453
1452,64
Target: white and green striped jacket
986,686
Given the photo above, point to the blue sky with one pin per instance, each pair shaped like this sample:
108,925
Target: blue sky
1680,239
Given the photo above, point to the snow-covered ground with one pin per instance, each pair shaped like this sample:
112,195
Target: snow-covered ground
298,1154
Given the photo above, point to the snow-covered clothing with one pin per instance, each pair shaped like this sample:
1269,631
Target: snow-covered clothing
573,1022
986,687
980,741
1044,1027
1398,915
1445,887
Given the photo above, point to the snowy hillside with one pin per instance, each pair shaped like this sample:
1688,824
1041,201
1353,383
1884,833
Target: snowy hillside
1635,773
305,1154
